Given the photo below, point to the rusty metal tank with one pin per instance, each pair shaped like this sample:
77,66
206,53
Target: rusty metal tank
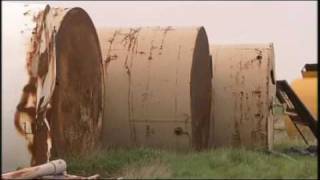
242,95
52,77
158,86
306,90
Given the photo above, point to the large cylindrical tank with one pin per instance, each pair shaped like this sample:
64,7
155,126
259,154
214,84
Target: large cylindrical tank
52,84
158,82
307,91
243,93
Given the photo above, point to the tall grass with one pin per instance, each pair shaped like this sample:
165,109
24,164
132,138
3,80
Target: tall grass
218,163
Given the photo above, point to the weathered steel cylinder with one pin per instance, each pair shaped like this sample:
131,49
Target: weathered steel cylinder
243,94
52,83
158,87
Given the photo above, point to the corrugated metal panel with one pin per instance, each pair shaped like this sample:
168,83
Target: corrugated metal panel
243,93
157,83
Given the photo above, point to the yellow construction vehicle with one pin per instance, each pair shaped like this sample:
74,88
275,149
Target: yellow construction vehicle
300,101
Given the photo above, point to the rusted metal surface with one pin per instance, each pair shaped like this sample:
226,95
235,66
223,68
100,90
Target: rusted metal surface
243,94
158,84
77,106
51,168
60,109
20,33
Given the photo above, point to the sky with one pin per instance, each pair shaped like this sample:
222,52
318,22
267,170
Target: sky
291,26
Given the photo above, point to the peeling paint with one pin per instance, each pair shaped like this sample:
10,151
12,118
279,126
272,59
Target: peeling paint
35,106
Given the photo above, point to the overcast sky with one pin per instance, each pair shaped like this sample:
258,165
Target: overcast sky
291,26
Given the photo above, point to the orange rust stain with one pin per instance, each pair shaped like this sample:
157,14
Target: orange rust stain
36,145
131,39
165,31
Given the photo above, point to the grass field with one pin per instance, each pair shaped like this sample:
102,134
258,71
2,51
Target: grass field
219,163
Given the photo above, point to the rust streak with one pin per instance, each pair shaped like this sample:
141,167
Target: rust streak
176,86
110,41
131,38
152,47
165,31
110,58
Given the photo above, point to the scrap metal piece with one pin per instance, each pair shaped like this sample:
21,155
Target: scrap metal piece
51,168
